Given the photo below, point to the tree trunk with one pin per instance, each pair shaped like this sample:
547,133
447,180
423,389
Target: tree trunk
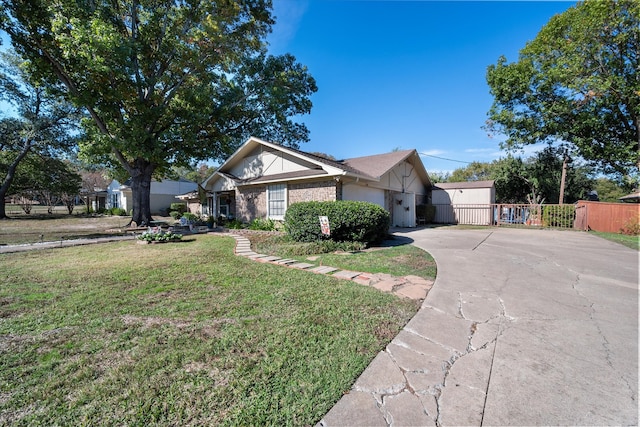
141,174
8,179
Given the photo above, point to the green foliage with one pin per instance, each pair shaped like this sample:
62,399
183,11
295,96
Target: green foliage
178,207
610,191
235,224
349,221
293,249
264,224
577,83
116,212
38,135
436,177
558,216
158,235
190,217
175,215
534,179
165,83
475,171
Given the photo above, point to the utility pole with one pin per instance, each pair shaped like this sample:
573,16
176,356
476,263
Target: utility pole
562,179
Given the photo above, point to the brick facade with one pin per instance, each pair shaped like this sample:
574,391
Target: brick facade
321,191
251,202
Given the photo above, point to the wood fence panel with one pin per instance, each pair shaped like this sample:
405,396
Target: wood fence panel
605,217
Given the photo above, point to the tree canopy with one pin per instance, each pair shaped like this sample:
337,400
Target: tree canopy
44,125
163,82
535,179
576,84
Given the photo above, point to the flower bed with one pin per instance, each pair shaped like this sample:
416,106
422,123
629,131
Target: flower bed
157,235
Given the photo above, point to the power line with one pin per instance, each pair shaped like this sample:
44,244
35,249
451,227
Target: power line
444,158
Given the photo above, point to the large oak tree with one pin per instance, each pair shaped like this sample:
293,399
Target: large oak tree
164,82
576,84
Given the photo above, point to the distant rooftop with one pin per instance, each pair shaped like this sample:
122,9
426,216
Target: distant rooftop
463,185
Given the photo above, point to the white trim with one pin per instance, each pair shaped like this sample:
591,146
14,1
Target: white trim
277,217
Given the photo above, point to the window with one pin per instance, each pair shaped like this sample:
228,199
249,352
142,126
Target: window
114,200
276,201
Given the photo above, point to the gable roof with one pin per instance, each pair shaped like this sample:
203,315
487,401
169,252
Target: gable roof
379,164
462,185
370,168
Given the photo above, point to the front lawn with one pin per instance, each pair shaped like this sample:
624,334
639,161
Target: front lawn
632,242
180,334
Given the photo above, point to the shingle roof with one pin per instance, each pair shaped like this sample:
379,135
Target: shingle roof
466,184
377,165
340,164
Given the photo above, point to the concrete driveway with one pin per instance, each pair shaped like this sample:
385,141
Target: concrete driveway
522,327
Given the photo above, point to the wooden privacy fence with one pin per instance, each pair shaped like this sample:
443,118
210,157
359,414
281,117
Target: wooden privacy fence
606,217
596,216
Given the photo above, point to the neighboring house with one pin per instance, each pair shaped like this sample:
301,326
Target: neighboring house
96,199
261,179
631,198
446,195
193,199
163,193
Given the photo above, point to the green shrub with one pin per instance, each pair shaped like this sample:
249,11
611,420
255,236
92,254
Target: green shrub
234,224
178,207
192,218
118,212
558,216
158,235
349,221
175,215
263,224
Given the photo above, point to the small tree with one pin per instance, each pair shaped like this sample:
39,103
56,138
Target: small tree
43,126
56,181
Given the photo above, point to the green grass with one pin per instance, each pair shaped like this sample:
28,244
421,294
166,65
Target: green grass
180,334
398,260
632,242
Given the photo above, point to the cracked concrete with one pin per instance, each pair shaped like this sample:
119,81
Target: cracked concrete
522,327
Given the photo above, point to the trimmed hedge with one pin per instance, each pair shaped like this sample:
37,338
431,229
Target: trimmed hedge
349,221
558,216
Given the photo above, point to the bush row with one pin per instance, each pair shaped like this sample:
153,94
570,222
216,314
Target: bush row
349,221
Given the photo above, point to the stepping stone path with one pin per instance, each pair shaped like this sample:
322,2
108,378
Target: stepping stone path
412,287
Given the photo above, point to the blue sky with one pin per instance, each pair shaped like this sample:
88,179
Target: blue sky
405,74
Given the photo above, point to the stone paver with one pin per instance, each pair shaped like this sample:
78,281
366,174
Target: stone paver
412,287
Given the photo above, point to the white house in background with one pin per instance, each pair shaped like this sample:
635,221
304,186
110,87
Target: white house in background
261,179
476,196
163,193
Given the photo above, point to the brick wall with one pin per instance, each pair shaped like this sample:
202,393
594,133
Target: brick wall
251,203
312,191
